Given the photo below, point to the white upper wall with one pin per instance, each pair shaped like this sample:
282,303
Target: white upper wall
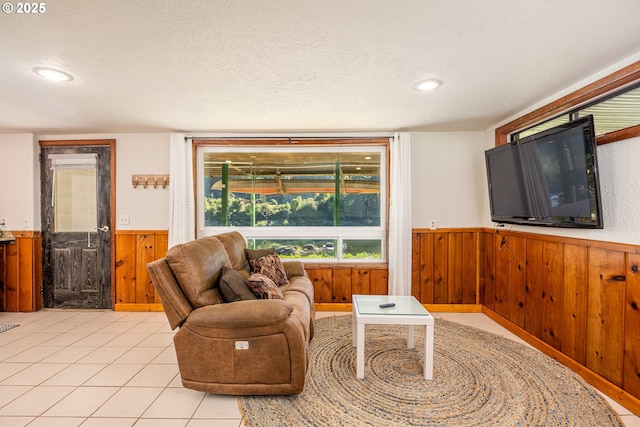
138,153
19,182
447,170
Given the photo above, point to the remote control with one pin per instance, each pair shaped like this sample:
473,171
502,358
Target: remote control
387,305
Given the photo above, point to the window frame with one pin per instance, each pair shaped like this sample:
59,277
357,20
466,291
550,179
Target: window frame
338,233
599,89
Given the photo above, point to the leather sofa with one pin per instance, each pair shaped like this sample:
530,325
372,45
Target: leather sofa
246,347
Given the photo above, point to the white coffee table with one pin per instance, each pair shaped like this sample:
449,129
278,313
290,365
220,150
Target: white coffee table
407,311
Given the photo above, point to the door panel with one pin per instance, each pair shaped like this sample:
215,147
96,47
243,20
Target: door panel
76,226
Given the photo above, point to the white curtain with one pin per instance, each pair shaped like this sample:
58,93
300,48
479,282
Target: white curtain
181,203
400,216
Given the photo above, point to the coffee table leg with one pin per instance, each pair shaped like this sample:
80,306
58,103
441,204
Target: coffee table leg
360,350
410,337
354,330
428,352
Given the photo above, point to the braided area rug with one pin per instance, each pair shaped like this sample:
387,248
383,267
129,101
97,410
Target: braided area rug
4,328
480,379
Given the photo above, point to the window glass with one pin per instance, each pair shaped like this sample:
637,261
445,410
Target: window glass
358,249
611,113
297,248
618,112
291,198
543,126
75,200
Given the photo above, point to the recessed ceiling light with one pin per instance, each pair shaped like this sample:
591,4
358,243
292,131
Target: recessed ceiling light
426,85
52,74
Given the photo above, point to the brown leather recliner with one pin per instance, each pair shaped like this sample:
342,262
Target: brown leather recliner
252,347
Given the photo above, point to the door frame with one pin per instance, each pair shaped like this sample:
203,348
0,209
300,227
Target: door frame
111,143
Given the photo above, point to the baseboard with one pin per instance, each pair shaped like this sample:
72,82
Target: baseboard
435,308
137,307
453,308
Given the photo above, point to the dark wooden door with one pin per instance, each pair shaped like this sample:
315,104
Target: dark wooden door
76,226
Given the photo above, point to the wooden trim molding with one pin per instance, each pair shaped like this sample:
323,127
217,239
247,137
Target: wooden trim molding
619,79
138,307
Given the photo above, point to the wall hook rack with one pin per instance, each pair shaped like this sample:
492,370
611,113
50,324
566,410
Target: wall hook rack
147,180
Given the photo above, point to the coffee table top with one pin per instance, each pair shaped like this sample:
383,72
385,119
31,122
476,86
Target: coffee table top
404,305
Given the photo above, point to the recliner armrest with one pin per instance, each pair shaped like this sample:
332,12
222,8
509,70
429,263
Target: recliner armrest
241,314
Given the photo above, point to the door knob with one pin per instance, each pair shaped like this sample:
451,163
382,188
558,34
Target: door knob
104,228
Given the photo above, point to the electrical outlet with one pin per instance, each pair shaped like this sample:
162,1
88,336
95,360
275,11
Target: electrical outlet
123,219
432,224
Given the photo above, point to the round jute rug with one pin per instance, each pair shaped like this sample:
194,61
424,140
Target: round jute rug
480,379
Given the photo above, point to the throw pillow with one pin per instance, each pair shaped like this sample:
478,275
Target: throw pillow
270,266
257,253
263,287
234,287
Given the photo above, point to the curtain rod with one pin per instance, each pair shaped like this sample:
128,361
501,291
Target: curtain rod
306,137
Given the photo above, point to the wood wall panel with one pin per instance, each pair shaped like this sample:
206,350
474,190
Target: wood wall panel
125,268
379,281
488,281
133,250
145,253
515,252
631,368
341,285
552,278
21,273
416,284
427,273
3,251
574,298
510,253
605,313
455,262
533,287
470,268
440,268
322,279
12,274
360,281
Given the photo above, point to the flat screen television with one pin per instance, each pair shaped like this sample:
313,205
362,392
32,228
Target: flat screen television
547,179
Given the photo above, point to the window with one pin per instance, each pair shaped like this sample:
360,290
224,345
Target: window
317,202
74,192
617,111
623,84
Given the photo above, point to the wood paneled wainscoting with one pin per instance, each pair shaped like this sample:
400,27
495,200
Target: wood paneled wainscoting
21,273
446,273
576,300
134,291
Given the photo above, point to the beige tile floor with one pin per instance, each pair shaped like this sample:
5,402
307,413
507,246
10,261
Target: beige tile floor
105,368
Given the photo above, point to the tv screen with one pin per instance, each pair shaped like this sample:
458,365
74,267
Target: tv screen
547,179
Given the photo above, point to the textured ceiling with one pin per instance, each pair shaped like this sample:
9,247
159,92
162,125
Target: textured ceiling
266,65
